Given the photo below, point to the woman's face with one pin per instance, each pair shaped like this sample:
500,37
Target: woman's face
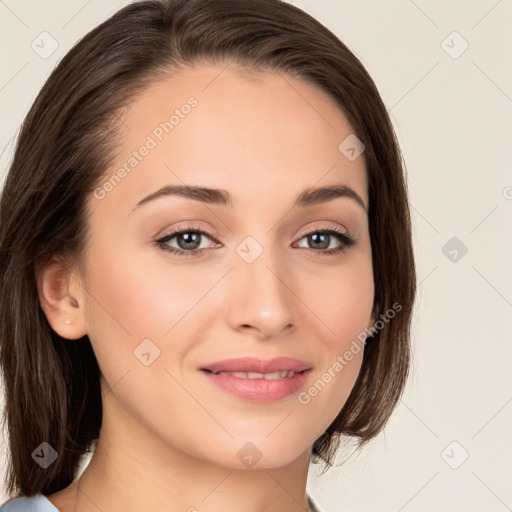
260,284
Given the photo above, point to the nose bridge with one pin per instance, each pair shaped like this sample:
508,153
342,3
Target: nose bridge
261,296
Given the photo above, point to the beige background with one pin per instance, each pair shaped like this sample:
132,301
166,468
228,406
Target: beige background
453,113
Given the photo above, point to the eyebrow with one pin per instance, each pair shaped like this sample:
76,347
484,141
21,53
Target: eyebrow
308,197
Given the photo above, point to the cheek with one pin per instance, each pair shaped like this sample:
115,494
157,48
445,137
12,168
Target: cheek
137,296
341,298
140,295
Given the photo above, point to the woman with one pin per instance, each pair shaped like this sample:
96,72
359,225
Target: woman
245,134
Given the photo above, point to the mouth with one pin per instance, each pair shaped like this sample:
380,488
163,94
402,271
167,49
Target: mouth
258,380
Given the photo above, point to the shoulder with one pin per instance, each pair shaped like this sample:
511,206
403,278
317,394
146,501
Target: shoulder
37,503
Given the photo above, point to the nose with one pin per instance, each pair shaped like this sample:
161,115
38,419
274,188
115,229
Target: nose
261,298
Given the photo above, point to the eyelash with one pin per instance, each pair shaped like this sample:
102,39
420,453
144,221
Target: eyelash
345,239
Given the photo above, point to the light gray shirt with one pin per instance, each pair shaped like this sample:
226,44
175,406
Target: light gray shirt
37,503
40,503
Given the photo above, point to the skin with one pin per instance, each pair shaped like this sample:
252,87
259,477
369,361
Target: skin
169,438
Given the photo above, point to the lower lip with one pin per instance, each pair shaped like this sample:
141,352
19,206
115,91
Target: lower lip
259,390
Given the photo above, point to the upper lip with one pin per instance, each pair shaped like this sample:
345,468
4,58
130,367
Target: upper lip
254,364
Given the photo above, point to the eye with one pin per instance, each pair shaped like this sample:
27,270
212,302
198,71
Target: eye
320,240
188,239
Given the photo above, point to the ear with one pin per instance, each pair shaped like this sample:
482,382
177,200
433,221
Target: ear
61,295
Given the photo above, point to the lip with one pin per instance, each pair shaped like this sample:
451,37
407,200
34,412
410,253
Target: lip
260,389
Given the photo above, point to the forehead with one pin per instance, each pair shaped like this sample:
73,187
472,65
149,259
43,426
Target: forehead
233,128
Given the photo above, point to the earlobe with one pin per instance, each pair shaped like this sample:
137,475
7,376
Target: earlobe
61,298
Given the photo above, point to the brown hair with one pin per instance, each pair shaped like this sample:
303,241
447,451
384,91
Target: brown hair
65,146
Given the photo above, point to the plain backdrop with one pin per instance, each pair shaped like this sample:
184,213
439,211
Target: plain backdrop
443,70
